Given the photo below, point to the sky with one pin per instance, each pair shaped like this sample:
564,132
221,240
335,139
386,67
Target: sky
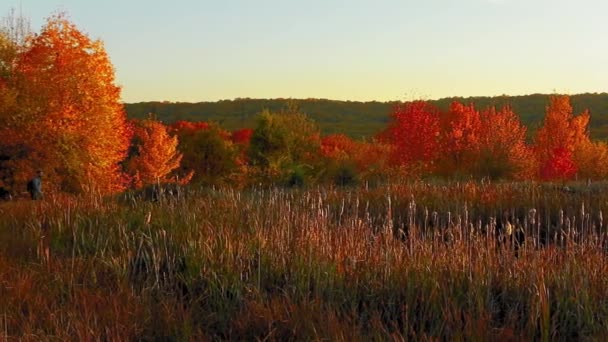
384,50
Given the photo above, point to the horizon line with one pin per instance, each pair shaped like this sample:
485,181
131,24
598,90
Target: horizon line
359,101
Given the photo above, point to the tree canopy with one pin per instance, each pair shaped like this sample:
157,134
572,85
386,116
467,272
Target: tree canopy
65,116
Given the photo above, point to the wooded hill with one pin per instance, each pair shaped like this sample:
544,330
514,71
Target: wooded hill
360,119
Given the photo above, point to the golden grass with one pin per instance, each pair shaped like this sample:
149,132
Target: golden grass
407,261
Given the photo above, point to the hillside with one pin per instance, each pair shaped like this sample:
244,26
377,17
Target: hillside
358,119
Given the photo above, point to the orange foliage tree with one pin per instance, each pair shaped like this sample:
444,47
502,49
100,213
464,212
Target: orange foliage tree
503,149
413,135
460,141
155,154
372,159
591,159
559,138
70,113
14,165
359,160
337,153
9,137
337,146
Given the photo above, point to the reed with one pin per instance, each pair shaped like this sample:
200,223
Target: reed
403,261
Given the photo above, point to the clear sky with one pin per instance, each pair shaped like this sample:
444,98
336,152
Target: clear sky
188,50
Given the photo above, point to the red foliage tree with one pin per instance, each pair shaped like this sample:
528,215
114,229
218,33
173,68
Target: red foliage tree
559,167
413,135
184,127
242,136
561,133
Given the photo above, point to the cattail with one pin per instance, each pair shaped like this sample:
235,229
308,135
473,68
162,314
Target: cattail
508,228
466,214
148,218
389,213
532,216
425,221
412,211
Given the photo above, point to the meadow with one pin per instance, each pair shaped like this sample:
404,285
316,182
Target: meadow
284,229
407,261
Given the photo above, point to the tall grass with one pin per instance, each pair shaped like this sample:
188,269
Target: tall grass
406,261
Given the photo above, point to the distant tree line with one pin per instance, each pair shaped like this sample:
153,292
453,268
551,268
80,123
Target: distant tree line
360,120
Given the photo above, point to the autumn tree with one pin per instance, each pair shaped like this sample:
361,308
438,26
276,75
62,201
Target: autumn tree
338,154
591,159
559,166
372,160
460,140
503,149
14,29
14,32
69,110
154,154
337,146
186,127
559,138
413,134
208,152
241,138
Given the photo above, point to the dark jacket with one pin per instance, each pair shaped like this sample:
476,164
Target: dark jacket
34,187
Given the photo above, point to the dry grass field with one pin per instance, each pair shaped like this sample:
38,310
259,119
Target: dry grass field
412,261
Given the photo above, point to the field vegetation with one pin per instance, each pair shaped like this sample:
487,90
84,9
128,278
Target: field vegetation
407,261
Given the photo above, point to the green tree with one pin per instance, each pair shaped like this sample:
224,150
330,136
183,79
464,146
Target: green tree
209,153
284,145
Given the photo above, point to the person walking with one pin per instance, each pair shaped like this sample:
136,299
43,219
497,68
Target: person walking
34,186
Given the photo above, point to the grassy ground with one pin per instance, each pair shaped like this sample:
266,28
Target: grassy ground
408,261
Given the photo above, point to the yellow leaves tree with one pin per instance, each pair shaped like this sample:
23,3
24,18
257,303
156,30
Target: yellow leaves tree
70,111
154,154
591,159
